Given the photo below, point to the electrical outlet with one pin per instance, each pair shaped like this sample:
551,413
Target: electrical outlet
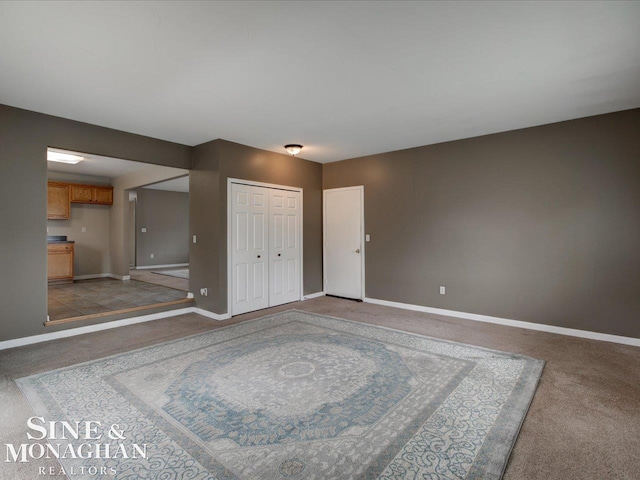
84,229
442,290
204,292
143,229
152,255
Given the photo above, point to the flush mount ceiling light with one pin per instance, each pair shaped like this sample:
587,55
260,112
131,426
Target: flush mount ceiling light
293,148
63,157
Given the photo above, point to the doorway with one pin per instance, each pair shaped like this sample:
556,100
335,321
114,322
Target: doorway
343,245
264,245
91,232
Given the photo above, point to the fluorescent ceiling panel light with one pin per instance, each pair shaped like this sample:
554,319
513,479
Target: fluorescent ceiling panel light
63,157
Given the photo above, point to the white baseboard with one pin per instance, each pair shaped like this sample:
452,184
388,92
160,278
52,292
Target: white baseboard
212,315
92,276
45,337
313,295
102,275
171,265
573,332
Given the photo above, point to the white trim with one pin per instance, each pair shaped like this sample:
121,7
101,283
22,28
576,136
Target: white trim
150,267
313,295
45,337
212,315
360,188
231,180
573,332
262,184
92,276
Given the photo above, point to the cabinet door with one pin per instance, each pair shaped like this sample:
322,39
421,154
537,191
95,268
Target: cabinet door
58,207
60,262
81,193
103,195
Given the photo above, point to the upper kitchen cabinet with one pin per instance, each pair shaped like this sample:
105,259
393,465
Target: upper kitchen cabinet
91,194
58,206
103,195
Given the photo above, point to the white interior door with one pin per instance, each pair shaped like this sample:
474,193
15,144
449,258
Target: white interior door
343,242
250,251
284,247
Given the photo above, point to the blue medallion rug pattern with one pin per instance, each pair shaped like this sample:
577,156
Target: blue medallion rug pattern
297,396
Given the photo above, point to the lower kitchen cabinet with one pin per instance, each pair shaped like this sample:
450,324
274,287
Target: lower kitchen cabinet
60,262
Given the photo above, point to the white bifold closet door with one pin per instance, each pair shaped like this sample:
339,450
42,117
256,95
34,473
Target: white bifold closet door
265,240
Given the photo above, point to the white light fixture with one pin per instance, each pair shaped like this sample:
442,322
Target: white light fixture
293,149
63,157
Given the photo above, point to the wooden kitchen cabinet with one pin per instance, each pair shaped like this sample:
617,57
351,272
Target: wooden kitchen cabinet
91,194
58,206
60,262
81,193
103,195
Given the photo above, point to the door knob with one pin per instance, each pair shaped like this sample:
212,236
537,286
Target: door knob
357,250
258,256
279,254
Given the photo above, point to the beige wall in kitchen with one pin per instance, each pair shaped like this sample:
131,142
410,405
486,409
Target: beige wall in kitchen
91,249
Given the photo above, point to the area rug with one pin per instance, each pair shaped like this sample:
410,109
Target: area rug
183,273
294,396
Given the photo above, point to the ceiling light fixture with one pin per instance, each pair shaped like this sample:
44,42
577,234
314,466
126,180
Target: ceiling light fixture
293,149
63,157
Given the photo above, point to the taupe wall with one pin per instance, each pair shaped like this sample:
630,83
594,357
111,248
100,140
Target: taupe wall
540,224
215,162
25,137
165,215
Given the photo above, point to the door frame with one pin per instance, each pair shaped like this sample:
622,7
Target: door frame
359,188
252,183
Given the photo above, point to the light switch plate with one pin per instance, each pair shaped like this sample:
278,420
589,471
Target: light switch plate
194,239
143,230
367,238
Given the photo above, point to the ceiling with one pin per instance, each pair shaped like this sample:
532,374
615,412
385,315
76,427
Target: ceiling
108,168
97,165
180,184
345,79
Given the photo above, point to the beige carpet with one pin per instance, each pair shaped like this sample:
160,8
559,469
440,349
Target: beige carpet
584,422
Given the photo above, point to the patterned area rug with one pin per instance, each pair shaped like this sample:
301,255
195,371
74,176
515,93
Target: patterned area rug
182,273
299,396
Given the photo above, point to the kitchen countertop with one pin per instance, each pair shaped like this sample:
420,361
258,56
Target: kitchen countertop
58,239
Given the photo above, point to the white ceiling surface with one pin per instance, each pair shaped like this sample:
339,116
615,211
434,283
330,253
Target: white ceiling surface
98,165
176,185
345,79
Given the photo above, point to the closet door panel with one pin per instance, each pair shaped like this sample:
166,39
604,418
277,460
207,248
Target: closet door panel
250,255
284,251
